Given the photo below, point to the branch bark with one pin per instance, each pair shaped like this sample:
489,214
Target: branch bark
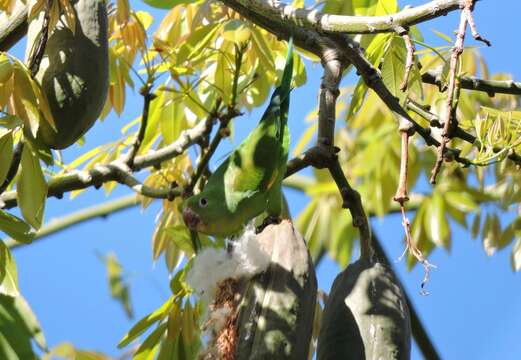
100,210
77,180
14,27
491,87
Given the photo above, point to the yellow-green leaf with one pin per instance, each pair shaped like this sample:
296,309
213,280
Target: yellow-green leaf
236,31
6,154
8,272
143,324
16,228
119,288
6,69
149,347
31,188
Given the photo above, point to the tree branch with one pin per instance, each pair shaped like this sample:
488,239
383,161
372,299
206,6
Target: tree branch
14,27
491,87
136,143
457,50
76,180
458,132
313,19
99,210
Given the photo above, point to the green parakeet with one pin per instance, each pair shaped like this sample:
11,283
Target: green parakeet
249,181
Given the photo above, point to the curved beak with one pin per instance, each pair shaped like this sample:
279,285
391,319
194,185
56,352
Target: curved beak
191,219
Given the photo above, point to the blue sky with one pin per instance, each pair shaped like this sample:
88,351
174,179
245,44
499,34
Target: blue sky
472,313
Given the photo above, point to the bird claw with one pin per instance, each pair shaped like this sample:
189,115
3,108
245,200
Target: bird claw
269,220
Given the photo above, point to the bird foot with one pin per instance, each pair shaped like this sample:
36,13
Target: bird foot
270,219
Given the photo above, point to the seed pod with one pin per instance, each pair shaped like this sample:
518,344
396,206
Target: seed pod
276,313
365,317
73,72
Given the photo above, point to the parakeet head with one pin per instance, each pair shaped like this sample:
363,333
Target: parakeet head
205,213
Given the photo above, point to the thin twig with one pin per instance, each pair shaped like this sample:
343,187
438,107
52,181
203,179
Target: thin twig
411,248
409,60
224,119
222,132
401,197
38,49
122,175
136,143
457,50
470,18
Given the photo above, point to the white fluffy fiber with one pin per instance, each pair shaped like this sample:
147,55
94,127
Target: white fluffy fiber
212,266
249,255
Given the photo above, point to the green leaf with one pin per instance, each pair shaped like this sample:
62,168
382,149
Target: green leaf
393,68
16,228
476,224
8,272
357,99
168,349
173,256
461,200
18,328
436,223
443,36
236,31
515,257
6,69
196,43
149,347
491,234
167,4
119,289
338,7
6,154
509,233
67,351
31,188
180,235
143,324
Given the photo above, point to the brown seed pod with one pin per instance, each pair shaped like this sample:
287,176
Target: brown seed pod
73,72
275,319
365,317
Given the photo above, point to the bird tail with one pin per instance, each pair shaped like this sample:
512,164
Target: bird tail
285,84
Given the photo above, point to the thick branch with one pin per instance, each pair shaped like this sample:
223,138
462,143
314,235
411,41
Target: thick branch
100,174
14,27
352,201
313,19
491,87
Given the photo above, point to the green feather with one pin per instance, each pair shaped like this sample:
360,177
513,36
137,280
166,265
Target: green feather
249,181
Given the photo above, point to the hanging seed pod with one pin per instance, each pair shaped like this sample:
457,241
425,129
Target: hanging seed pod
73,72
365,317
275,318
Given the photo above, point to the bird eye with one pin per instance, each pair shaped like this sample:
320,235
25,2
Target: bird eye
203,202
